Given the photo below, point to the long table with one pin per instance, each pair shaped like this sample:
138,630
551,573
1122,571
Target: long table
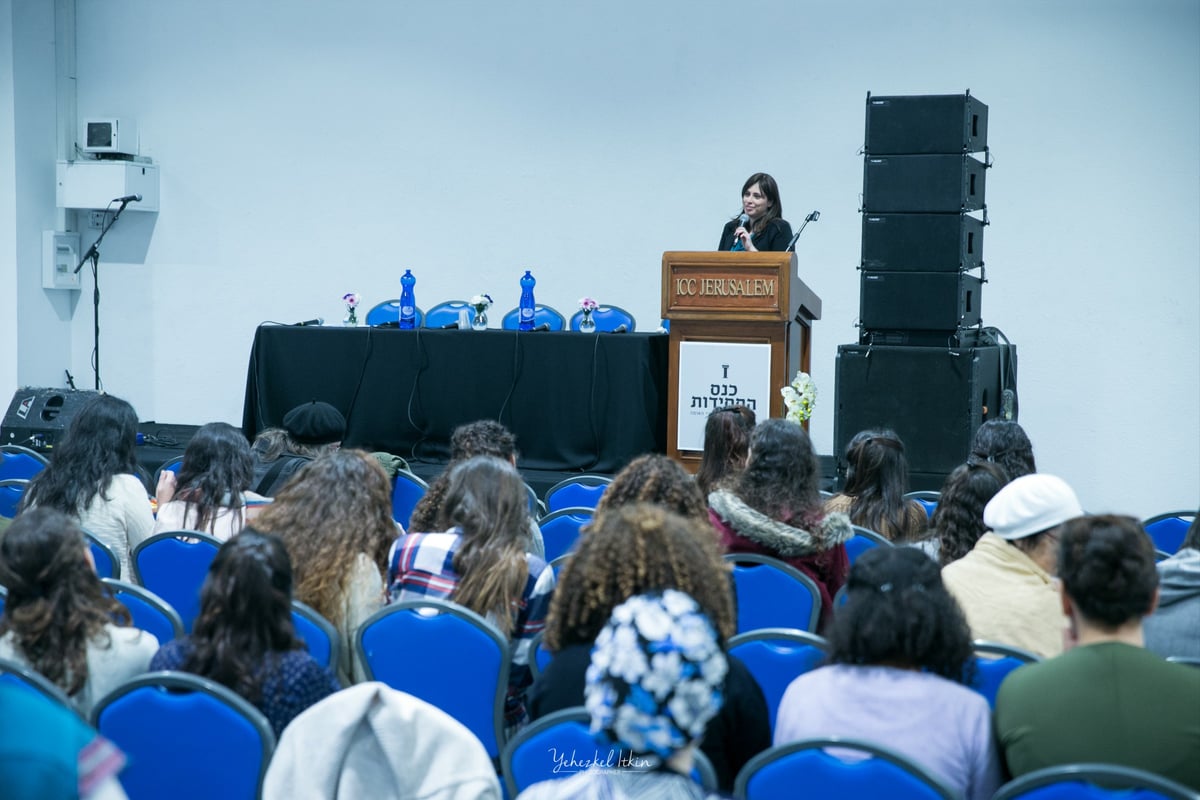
575,401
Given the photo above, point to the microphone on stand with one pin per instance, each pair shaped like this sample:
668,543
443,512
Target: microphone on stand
545,326
129,198
813,217
309,323
622,328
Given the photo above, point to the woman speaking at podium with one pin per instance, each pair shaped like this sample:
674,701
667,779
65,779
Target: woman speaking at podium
761,225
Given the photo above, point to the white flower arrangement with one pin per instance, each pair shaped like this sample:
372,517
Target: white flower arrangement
481,302
799,396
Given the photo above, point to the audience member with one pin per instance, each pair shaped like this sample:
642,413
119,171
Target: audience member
1107,699
632,550
210,492
483,438
774,508
660,481
957,522
655,680
876,481
900,650
244,639
726,445
57,618
481,562
92,477
1005,443
335,518
1174,627
308,431
1005,584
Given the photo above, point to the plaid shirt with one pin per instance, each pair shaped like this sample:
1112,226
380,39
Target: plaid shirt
422,565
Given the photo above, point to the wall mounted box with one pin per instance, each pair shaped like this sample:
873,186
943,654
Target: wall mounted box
95,184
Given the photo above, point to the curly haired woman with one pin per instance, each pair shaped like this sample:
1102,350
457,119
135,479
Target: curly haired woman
957,521
57,619
335,517
658,480
629,551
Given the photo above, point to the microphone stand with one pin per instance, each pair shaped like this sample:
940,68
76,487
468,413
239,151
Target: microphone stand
93,255
813,217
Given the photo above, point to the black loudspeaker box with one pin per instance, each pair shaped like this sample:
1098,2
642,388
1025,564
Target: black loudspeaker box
929,123
37,417
922,184
932,398
951,340
921,242
926,301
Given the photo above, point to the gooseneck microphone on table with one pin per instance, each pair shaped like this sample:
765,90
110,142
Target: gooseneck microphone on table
545,326
309,323
622,328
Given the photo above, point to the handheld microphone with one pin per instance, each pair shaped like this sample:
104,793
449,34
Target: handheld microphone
743,219
622,328
545,326
129,198
309,323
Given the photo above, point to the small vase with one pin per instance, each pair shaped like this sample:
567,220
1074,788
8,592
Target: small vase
351,319
479,321
587,324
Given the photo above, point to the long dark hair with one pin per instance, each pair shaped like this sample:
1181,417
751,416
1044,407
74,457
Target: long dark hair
98,445
487,501
898,613
55,604
770,190
957,521
218,466
245,613
1003,442
782,474
484,437
726,442
876,480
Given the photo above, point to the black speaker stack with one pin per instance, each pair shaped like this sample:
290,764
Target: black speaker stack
924,365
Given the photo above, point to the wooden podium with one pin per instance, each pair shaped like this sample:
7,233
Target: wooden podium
741,327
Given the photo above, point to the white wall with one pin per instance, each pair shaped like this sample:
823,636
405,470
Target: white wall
314,148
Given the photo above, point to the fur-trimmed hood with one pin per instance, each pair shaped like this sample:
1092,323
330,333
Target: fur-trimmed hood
787,540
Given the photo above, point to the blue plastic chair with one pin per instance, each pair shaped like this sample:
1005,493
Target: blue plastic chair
776,657
1167,530
20,462
444,654
107,563
539,656
11,492
579,491
173,565
172,464
407,491
3,598
993,663
806,766
928,500
35,682
186,737
542,315
529,757
537,509
446,313
560,530
389,312
1092,782
318,634
773,594
863,540
148,611
607,319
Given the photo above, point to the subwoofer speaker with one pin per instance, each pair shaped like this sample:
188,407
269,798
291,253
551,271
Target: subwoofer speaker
37,417
932,397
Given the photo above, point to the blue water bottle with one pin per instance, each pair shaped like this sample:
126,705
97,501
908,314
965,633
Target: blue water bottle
408,301
525,318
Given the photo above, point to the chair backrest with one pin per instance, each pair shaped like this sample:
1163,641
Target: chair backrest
389,311
539,655
855,769
993,663
107,563
1092,782
444,654
773,594
3,598
776,657
185,737
148,611
446,313
1167,530
560,530
863,540
173,565
537,509
927,498
11,492
542,315
530,756
319,636
407,491
579,491
28,679
607,319
1188,660
20,462
173,464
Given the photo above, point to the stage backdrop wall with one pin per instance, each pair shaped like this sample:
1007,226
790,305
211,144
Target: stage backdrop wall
311,149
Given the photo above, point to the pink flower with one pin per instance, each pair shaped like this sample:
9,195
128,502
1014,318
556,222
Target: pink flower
588,304
350,299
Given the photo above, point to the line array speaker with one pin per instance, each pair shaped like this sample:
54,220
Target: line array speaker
923,183
921,242
930,301
929,123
